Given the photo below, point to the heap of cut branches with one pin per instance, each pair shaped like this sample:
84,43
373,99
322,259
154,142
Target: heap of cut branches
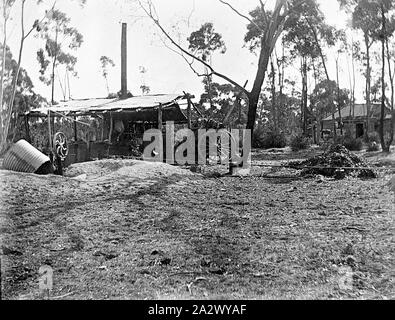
335,163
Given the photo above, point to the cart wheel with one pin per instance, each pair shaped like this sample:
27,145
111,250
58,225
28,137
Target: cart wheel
223,150
60,145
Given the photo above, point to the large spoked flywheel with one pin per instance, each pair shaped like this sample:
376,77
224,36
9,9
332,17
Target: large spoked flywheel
60,145
222,147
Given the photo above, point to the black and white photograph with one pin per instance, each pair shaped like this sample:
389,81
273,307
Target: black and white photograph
210,151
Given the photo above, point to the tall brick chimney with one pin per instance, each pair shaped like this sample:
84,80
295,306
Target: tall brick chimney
124,76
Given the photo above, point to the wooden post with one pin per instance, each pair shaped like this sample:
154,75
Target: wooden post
59,166
49,131
53,125
111,128
27,128
189,113
103,123
160,120
75,129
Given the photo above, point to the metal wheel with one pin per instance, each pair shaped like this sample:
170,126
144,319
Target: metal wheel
222,145
60,145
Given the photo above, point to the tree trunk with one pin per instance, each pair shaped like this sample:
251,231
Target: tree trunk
61,86
302,109
268,41
273,75
319,128
391,75
3,117
368,85
353,83
68,84
338,97
108,88
384,146
334,125
15,80
319,47
253,96
208,79
324,64
304,95
53,68
281,106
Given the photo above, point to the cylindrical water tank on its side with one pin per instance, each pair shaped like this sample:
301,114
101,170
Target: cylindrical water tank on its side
23,157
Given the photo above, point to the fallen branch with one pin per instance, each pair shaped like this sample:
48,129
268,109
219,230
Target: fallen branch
63,296
355,228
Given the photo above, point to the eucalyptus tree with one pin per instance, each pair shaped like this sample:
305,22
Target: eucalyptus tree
391,71
387,29
325,93
352,50
203,43
273,23
305,34
364,14
7,108
105,63
6,6
57,34
24,95
145,89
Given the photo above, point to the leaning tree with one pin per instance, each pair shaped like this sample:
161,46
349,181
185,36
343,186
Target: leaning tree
271,29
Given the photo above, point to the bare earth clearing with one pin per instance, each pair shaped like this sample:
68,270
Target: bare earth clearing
124,229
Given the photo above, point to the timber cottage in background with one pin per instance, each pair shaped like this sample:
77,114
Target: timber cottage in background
355,120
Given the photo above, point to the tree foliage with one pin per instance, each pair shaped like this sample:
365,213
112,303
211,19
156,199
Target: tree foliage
205,41
25,97
273,29
297,29
325,98
105,63
59,38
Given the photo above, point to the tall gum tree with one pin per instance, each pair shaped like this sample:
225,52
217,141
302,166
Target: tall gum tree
387,29
274,24
105,63
391,71
204,42
305,33
364,15
57,34
5,8
8,107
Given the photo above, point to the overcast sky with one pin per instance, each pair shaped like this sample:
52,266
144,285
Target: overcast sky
100,23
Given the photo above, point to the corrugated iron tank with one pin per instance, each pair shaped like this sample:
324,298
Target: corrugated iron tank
23,157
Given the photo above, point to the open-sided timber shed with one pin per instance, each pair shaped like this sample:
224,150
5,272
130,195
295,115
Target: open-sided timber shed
150,108
123,120
140,108
149,111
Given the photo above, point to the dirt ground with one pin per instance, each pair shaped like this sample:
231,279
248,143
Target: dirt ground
125,229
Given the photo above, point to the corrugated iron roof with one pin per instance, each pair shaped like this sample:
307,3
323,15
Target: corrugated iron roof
360,110
102,105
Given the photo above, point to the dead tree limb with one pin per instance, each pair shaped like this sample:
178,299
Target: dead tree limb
242,15
213,72
270,35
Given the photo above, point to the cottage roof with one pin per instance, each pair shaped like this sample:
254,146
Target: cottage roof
360,111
